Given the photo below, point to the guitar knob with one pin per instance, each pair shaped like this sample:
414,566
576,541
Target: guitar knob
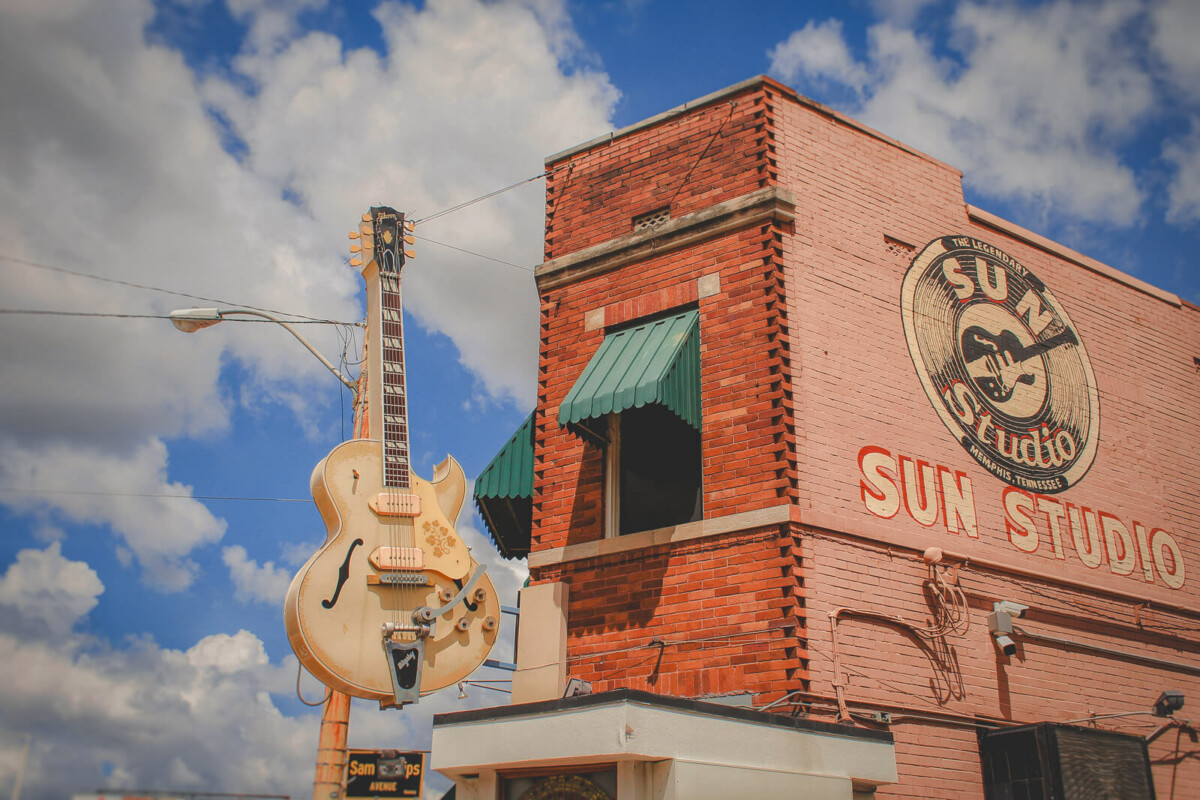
480,595
463,624
489,623
445,595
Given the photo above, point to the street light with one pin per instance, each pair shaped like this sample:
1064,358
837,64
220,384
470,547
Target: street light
190,320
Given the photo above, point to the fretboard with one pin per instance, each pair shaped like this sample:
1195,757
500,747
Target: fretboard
396,469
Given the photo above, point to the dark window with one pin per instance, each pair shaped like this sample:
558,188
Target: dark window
659,470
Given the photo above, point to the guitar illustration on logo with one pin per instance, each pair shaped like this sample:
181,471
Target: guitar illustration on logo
999,363
392,606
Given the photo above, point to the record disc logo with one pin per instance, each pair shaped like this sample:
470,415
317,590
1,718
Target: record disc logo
1002,364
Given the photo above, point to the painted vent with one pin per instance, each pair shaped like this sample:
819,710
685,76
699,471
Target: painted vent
651,219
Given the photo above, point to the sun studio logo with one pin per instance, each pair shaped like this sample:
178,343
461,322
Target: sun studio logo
1001,363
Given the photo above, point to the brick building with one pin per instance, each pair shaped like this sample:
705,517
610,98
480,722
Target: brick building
836,485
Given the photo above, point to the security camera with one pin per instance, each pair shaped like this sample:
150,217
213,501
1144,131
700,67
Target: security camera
1011,608
1168,703
1005,644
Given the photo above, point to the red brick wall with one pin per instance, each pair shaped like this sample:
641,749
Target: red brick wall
721,606
740,586
690,162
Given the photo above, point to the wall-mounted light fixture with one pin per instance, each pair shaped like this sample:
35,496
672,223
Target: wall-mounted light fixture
1168,703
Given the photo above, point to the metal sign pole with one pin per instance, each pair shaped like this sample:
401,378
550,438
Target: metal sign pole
331,748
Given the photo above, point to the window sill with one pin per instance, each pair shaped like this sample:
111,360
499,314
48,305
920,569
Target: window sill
774,515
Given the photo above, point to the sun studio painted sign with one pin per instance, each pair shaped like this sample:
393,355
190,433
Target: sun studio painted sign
1008,375
1001,363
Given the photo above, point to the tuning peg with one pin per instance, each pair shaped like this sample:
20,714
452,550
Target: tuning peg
355,248
353,234
356,262
409,225
410,240
410,254
366,216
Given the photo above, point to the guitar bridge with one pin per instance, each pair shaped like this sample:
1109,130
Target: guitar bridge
399,579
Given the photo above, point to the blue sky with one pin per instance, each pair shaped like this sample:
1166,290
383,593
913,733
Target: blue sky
222,148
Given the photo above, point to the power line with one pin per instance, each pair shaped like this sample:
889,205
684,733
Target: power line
473,253
489,195
51,313
4,490
89,276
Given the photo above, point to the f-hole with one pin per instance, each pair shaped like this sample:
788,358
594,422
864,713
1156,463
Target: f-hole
343,576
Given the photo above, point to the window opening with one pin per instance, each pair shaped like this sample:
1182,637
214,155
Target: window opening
653,471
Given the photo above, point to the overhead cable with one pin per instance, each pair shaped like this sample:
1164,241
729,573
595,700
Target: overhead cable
489,195
473,253
52,313
13,490
90,276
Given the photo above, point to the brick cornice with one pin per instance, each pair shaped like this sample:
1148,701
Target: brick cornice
772,203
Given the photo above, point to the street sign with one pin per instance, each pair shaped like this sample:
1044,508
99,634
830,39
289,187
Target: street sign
384,773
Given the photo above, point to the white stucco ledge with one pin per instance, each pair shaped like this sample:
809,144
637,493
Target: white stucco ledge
667,747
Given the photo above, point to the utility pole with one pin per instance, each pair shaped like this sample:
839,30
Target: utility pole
335,716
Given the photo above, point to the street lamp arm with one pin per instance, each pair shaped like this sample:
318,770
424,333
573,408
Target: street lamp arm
190,320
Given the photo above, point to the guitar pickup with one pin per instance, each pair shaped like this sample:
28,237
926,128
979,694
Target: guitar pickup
396,504
410,559
399,579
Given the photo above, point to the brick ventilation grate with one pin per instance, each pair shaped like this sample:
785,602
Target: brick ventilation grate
651,219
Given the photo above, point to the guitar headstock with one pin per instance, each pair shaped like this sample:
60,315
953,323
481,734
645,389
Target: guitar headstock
382,236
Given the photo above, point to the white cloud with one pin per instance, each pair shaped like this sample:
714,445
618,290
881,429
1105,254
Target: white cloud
469,97
159,532
145,715
115,166
1033,105
1175,23
265,584
1183,193
48,592
201,719
818,51
208,718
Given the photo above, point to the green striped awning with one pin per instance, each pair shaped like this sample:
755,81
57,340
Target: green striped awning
504,493
654,362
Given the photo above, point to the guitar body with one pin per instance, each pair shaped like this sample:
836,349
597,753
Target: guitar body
339,601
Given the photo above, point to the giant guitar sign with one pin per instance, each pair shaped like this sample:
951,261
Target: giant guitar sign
392,606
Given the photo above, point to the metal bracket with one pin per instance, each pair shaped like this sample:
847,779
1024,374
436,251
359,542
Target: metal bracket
425,614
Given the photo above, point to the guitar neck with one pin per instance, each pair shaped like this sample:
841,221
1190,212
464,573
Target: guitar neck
396,470
387,389
1065,336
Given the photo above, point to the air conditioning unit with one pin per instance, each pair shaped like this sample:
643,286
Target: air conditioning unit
1049,761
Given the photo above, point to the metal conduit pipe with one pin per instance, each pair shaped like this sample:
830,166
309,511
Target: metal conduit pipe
1061,581
1193,669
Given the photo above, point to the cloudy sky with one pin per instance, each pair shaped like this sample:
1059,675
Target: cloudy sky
159,155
